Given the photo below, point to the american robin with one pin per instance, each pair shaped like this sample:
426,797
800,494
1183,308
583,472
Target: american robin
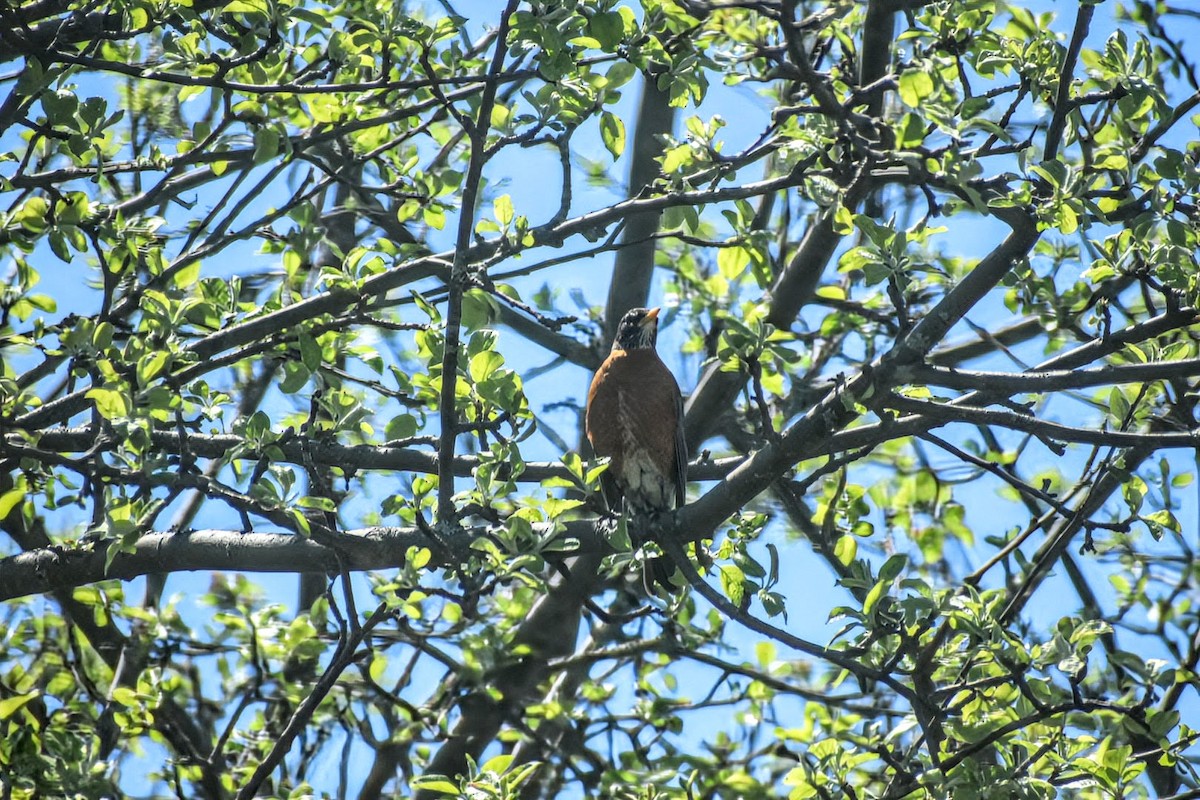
635,417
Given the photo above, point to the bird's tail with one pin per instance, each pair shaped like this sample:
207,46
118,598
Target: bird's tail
657,571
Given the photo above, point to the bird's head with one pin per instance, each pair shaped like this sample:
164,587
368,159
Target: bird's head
638,329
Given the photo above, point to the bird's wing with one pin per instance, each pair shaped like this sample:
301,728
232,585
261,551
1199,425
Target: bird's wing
600,419
681,452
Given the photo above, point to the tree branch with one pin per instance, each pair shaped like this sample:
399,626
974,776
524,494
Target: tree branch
1009,383
55,567
1043,429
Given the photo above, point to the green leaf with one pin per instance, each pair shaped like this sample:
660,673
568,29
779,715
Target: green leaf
892,568
483,364
295,375
246,7
11,705
910,132
676,158
9,500
608,29
316,503
878,591
186,277
521,774
266,145
478,309
620,74
501,115
379,665
434,216
733,583
402,426
497,765
731,261
310,352
60,107
151,366
1160,521
612,131
502,208
110,403
846,549
843,220
435,783
915,86
125,696
418,557
1118,404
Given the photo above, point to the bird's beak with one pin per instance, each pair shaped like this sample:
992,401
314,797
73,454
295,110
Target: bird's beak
651,317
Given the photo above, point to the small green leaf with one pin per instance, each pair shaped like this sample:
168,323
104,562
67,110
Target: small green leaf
915,86
266,145
295,375
151,366
435,217
317,503
893,567
877,591
607,29
731,261
11,705
910,132
478,309
379,665
501,115
418,557
9,500
846,549
612,131
246,7
484,364
435,783
676,158
497,765
733,583
310,352
620,74
503,209
1118,404
843,220
401,426
111,403
186,277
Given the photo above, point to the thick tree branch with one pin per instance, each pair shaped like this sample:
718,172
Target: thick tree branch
294,450
1008,383
56,567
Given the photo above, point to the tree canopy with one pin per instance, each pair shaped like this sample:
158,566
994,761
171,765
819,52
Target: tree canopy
315,289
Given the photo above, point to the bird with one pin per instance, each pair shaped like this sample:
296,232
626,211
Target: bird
635,417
